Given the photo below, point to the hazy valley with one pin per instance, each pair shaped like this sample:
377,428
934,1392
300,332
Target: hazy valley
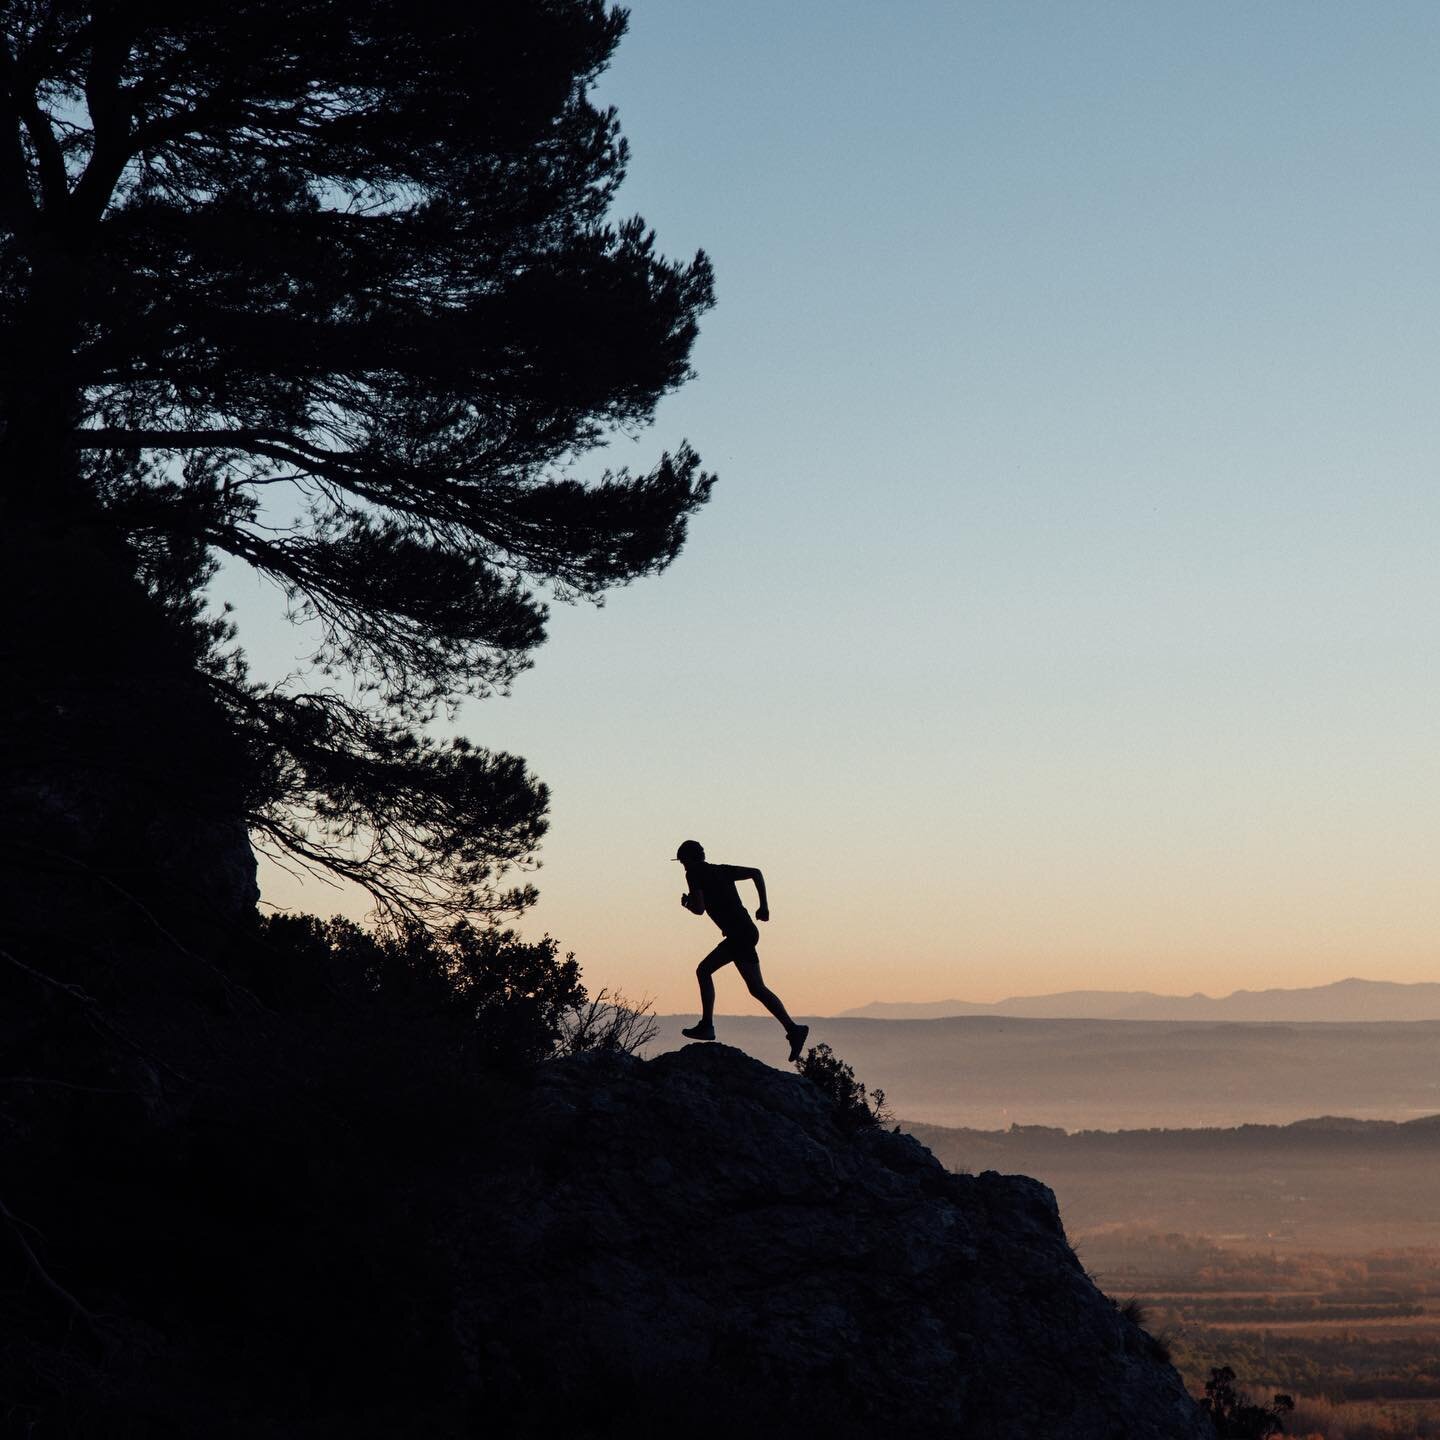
1306,1257
1334,1185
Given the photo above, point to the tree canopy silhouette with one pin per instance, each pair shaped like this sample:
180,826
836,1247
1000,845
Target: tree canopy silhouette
329,288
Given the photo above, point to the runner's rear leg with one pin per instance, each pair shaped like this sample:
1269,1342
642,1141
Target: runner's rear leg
755,983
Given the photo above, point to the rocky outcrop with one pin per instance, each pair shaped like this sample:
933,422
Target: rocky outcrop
694,1243
329,1220
122,782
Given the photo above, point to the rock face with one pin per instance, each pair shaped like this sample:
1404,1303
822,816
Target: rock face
693,1243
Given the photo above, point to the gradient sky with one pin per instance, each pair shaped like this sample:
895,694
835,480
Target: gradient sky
1067,613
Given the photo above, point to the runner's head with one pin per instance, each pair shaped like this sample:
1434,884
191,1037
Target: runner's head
692,852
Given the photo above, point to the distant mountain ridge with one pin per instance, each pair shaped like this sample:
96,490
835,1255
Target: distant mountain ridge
1344,1000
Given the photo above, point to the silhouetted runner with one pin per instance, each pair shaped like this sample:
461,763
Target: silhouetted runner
712,892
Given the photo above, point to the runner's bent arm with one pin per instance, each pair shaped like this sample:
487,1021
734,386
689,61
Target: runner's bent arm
750,873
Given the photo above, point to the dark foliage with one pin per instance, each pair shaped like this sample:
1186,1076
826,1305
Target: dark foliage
1235,1417
220,1210
516,1001
329,289
855,1109
511,998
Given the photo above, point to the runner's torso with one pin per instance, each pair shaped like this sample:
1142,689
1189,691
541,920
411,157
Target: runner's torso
722,900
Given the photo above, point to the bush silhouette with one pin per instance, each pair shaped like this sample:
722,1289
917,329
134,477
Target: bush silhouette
510,1001
606,1022
1138,1314
855,1108
1234,1416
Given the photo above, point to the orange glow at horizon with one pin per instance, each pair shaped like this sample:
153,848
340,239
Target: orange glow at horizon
824,954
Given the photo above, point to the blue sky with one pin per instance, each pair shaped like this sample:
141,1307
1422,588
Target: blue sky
1066,613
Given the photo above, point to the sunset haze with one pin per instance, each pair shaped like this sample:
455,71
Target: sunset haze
1066,614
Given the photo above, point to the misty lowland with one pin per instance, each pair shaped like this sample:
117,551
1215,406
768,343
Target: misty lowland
989,1071
340,304
1305,1256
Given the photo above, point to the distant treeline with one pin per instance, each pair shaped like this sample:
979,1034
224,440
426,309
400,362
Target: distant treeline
1266,1309
1338,1367
1140,1260
1334,1134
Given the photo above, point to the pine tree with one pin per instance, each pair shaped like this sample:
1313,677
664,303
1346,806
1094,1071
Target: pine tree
328,287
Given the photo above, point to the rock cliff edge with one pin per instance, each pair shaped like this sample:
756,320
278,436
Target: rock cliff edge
693,1242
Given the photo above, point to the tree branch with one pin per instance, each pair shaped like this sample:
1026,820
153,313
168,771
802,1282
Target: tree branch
53,180
109,118
208,439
